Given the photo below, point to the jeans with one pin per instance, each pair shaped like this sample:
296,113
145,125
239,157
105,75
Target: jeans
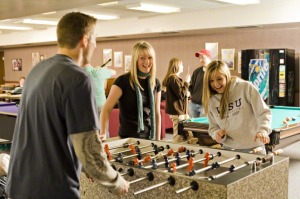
195,110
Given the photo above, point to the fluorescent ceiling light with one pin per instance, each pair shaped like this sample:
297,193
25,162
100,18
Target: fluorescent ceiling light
5,20
153,8
104,16
40,22
108,3
49,13
15,28
241,2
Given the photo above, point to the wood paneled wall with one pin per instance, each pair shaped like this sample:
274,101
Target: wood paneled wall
183,47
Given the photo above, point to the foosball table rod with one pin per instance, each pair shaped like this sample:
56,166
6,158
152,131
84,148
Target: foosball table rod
254,163
170,181
207,156
178,158
193,185
129,172
180,150
270,157
138,154
146,159
232,168
133,149
149,176
214,165
155,164
256,150
125,145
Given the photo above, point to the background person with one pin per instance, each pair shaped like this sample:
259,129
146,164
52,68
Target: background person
99,75
57,126
19,88
238,116
196,84
177,96
138,94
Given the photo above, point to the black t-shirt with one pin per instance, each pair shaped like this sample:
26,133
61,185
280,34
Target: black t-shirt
196,85
57,100
128,107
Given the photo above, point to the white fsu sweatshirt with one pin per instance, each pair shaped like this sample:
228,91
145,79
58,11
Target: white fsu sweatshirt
247,115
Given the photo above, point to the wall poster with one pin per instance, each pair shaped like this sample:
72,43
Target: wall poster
228,57
213,48
17,64
118,59
107,54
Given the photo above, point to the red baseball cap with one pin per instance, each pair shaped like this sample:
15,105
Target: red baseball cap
203,52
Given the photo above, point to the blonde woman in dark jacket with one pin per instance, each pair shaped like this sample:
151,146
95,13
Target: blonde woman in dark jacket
177,94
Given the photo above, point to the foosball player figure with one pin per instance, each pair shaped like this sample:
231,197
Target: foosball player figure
119,158
133,151
207,157
191,165
167,160
188,155
173,167
106,149
154,163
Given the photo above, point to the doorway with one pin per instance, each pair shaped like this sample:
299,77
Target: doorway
2,70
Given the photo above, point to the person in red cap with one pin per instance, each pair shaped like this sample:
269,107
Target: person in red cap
196,84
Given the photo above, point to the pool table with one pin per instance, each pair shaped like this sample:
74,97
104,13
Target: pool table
8,115
282,135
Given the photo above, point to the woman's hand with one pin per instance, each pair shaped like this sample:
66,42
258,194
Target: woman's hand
220,135
102,137
188,78
263,137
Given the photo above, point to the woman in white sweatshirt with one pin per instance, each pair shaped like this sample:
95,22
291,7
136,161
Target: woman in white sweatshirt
238,116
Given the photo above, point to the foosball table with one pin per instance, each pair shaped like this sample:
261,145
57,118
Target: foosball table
159,169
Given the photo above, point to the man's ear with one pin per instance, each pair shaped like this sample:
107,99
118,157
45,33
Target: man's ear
84,40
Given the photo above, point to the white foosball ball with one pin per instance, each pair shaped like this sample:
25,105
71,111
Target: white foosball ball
167,170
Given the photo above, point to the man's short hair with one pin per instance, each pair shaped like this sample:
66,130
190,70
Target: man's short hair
72,27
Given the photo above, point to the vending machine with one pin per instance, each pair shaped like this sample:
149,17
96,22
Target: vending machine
272,72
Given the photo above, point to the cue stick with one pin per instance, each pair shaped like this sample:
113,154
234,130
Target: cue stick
105,63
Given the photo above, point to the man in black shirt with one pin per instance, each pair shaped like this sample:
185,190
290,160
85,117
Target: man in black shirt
196,84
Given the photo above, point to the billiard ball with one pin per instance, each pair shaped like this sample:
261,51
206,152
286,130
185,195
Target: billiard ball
293,118
285,122
287,119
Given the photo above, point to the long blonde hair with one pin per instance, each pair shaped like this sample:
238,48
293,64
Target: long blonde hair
211,70
139,47
173,69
